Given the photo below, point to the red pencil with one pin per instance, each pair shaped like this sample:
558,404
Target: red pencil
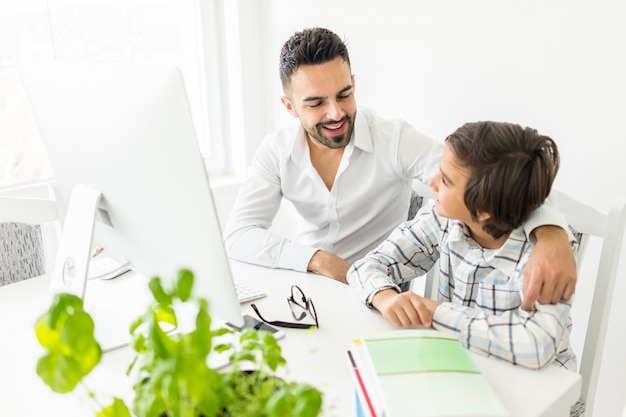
362,385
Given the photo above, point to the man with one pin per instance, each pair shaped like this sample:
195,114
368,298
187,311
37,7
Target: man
349,175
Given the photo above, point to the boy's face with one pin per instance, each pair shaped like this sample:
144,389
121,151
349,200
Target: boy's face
448,186
322,97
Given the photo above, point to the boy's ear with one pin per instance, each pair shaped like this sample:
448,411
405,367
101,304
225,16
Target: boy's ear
482,216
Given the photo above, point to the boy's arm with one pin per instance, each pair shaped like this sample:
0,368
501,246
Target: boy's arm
528,338
550,275
406,309
411,250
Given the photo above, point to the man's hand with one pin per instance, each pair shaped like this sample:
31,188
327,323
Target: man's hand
405,309
550,274
330,265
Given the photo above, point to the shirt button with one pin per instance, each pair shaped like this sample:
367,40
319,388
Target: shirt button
461,287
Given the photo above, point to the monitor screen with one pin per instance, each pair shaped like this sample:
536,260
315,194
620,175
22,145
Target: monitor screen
125,130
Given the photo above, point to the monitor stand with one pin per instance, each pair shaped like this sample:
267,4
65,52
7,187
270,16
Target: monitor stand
71,269
72,263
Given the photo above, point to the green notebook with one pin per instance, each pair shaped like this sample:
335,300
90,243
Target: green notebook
423,373
418,354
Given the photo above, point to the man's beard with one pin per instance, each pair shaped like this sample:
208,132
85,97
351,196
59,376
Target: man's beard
333,142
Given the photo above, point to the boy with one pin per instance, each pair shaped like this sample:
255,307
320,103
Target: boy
491,176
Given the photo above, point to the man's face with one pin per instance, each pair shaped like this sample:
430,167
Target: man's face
322,97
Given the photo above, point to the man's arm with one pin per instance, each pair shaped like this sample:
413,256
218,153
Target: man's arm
330,265
247,237
550,274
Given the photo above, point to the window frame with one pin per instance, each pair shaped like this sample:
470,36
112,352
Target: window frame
212,67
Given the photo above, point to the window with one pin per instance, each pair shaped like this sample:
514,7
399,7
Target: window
174,32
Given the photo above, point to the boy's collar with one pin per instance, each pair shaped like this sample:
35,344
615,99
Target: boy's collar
499,258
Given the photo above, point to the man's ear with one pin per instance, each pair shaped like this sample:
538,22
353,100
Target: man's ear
288,105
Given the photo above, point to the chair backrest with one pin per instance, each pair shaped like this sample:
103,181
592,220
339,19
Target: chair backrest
600,361
26,219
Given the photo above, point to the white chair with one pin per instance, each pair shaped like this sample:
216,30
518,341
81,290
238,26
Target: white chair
33,225
602,364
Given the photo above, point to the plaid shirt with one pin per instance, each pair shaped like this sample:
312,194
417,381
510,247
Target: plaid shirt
480,290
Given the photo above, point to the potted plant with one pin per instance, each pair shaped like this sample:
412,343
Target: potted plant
171,374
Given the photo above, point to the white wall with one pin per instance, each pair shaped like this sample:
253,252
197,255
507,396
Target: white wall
557,66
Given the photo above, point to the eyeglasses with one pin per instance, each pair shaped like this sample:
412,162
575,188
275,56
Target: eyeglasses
299,305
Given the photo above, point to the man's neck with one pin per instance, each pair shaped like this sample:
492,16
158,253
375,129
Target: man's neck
325,160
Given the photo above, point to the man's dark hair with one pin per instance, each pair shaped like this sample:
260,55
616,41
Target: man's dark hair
312,46
511,171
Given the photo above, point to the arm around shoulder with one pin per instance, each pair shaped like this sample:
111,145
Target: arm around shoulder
550,274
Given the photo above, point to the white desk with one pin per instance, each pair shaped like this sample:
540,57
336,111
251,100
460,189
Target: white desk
318,357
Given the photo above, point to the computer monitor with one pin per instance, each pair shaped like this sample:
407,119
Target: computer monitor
122,146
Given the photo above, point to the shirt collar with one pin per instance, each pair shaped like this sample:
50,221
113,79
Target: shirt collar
361,137
300,148
505,258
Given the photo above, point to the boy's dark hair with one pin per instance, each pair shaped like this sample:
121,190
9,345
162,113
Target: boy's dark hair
312,46
511,171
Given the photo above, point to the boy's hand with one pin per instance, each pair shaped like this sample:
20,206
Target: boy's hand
405,309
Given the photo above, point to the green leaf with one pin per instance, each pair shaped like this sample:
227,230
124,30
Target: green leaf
78,332
66,332
184,284
158,292
47,336
264,346
57,373
117,409
202,336
297,400
165,314
158,340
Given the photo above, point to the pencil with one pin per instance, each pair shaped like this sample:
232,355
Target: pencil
370,406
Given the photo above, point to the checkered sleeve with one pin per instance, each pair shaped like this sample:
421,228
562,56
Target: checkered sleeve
410,251
532,339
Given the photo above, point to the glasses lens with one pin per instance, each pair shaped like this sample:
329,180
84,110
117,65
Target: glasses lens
297,295
297,310
301,305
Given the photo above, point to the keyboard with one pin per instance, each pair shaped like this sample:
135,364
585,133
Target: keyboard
247,293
